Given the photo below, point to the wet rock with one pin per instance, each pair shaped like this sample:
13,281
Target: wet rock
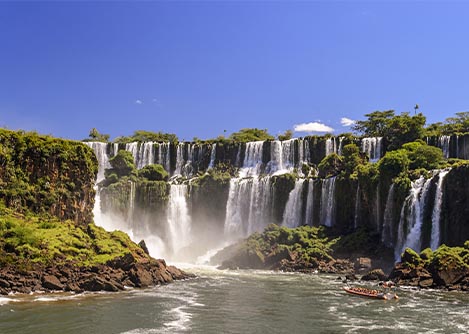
51,282
374,275
144,247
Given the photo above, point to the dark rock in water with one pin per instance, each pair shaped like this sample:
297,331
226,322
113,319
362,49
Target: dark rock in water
374,275
143,246
363,264
51,282
451,279
446,276
351,277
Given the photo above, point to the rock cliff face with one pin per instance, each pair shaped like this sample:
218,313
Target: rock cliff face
47,175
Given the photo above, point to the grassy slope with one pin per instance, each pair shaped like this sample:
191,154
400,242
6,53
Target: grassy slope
32,239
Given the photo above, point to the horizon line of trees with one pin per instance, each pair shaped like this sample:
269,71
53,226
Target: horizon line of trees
398,129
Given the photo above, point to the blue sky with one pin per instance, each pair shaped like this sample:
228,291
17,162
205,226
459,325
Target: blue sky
199,68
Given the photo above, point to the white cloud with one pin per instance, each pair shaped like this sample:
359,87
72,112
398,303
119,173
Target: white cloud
138,102
312,127
347,121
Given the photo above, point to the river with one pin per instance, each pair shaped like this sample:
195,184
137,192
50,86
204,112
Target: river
236,302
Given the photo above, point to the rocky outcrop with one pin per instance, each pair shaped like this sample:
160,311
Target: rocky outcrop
442,270
113,276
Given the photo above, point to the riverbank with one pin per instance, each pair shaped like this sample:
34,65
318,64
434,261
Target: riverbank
236,301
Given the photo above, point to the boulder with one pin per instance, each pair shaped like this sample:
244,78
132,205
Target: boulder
51,282
374,275
140,276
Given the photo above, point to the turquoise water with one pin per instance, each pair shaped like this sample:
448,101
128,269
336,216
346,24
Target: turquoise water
237,302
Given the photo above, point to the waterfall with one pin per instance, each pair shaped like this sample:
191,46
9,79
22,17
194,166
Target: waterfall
339,148
327,201
249,206
386,233
179,221
145,155
99,149
133,148
310,203
436,214
412,222
252,159
212,156
163,157
282,157
443,143
330,146
292,216
372,147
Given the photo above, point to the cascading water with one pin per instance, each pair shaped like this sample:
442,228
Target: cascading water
310,203
212,156
443,143
330,146
102,157
436,214
372,147
252,159
410,224
327,201
249,206
386,233
179,221
292,215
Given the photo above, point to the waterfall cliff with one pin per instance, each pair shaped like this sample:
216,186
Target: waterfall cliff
274,182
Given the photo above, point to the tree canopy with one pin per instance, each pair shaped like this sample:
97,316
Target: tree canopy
251,134
148,136
95,135
396,129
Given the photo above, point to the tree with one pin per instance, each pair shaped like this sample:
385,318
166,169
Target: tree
351,158
95,135
376,125
122,164
331,165
404,129
153,173
396,129
393,163
148,136
458,124
288,134
422,155
251,134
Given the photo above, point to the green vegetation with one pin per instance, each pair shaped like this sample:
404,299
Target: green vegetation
122,164
288,134
331,165
35,239
153,173
443,258
46,175
95,135
148,136
250,134
452,125
396,129
306,241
